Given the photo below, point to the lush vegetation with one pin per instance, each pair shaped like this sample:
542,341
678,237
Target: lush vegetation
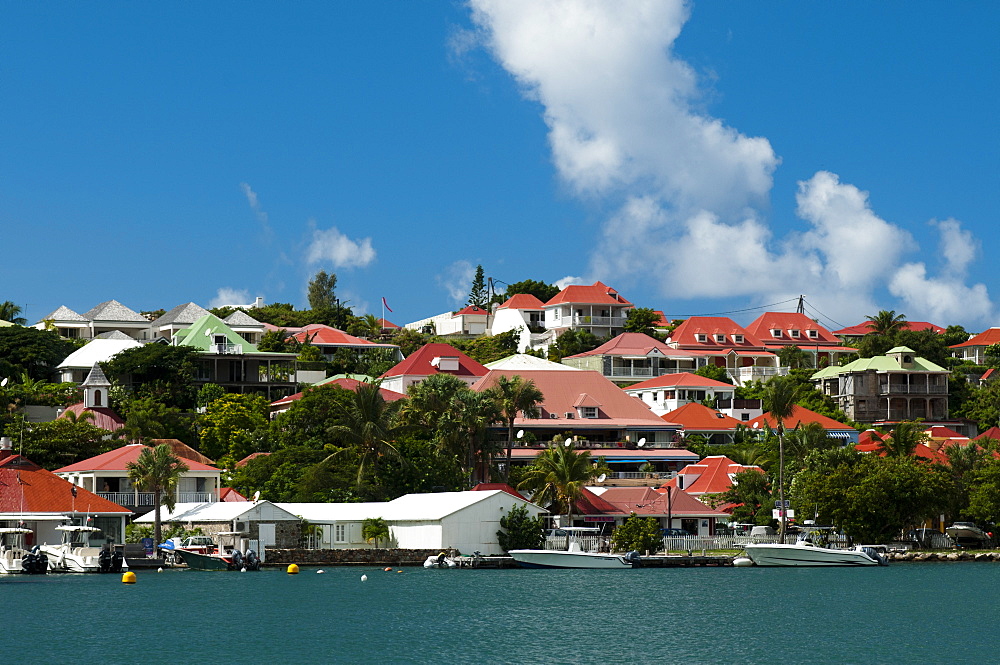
520,531
640,534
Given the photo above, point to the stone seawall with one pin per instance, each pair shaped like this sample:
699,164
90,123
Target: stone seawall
349,557
944,556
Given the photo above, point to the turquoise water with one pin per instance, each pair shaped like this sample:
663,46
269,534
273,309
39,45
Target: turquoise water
912,613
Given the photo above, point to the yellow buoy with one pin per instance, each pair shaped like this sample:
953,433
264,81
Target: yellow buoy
293,569
128,578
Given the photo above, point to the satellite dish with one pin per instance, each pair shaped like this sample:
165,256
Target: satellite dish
641,442
601,478
520,433
568,442
256,495
208,332
755,425
4,382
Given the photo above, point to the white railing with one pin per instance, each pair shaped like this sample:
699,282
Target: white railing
148,498
195,497
641,475
632,371
226,349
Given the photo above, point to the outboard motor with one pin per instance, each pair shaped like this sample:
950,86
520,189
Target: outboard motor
35,562
634,559
104,560
236,560
873,553
117,561
251,561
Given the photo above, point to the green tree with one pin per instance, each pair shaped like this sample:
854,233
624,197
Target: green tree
640,534
233,426
375,529
513,396
779,398
420,468
541,290
323,292
31,351
368,423
409,341
157,470
165,373
963,464
489,348
983,485
274,341
640,320
478,295
520,531
147,418
307,423
558,476
279,475
794,357
59,442
715,373
573,342
12,313
208,393
886,323
903,440
750,494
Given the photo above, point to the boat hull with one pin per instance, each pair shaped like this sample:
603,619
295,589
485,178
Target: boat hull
561,559
197,561
805,555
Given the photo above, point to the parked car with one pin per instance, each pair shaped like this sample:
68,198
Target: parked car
674,533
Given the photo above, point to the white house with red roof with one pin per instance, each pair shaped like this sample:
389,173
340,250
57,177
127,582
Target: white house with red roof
598,416
668,392
39,500
724,343
671,506
95,401
974,349
631,357
777,330
107,476
597,308
526,313
434,358
470,321
712,475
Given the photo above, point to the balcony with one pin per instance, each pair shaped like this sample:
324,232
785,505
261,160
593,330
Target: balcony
226,349
902,389
582,321
141,499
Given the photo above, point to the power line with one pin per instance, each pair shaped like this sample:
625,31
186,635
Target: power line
737,311
824,316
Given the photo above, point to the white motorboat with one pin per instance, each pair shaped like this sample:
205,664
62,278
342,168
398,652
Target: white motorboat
15,558
574,556
967,534
75,554
811,549
440,561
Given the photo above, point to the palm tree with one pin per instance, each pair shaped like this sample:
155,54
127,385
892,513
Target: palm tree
558,475
369,423
779,398
515,396
157,470
886,323
12,313
375,529
903,440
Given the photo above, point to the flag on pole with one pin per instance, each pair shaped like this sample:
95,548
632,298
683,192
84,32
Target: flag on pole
385,304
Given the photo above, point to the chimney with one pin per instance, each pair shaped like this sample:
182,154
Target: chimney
258,302
5,448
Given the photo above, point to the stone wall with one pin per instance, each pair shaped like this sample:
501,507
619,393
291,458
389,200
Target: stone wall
348,557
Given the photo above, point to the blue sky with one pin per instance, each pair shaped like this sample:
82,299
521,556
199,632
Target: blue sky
701,158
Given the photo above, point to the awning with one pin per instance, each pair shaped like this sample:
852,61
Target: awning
625,461
839,435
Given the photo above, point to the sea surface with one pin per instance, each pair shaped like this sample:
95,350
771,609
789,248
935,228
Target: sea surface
903,613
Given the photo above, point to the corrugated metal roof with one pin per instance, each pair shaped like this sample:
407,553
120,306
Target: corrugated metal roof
97,351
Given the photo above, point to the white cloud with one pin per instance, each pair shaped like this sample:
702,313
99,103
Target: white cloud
254,203
568,281
628,127
333,246
229,297
456,280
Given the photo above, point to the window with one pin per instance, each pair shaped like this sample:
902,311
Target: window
701,337
340,533
813,334
794,333
720,338
97,398
775,332
588,411
745,417
738,339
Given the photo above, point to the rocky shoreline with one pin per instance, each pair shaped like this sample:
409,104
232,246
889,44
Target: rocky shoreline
944,556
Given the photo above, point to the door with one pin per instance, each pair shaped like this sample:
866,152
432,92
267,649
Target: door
266,534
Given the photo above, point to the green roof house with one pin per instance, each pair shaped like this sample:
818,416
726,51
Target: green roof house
887,389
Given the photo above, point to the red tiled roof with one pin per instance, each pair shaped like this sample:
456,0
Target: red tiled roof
700,418
942,432
595,294
710,476
503,487
103,417
386,323
318,333
635,344
522,301
646,501
985,338
182,449
418,363
561,390
684,334
862,329
471,309
45,492
592,504
921,450
347,384
243,462
991,433
681,379
800,415
119,458
785,321
228,494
